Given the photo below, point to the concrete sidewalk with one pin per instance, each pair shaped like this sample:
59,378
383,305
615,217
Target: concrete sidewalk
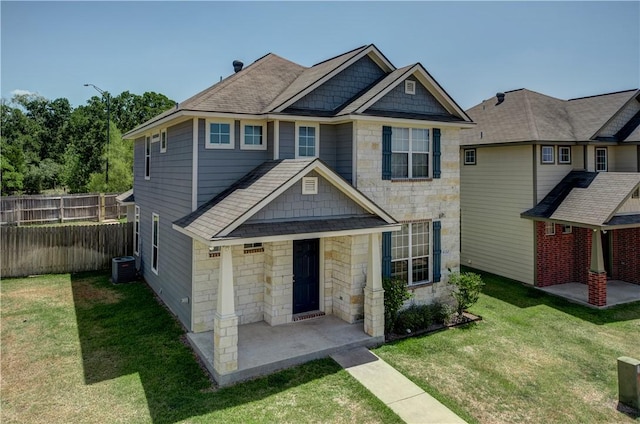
399,393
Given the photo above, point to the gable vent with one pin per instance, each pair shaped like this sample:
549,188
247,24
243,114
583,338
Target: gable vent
309,185
410,87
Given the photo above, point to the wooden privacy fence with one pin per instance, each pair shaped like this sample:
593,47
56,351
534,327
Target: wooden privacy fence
62,249
41,209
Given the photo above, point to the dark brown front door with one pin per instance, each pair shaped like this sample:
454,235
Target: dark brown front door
306,275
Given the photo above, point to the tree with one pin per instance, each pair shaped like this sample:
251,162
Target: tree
120,156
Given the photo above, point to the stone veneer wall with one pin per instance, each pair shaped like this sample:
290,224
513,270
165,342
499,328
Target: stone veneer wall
278,287
248,272
434,199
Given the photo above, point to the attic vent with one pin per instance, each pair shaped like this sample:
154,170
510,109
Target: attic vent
500,97
409,87
309,185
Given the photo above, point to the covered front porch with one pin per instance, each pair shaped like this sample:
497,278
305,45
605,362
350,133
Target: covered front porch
263,349
618,293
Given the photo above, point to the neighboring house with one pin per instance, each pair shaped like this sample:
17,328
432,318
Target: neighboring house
272,195
549,189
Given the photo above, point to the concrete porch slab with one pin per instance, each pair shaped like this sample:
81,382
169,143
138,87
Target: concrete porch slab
263,349
618,293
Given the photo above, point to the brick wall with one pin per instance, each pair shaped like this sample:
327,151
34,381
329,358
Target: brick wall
562,258
626,255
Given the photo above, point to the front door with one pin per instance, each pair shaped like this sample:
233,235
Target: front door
306,273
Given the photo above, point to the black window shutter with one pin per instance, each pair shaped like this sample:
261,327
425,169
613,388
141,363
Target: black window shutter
386,153
386,255
436,153
437,252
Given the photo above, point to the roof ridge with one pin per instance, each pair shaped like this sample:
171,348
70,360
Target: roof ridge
603,94
341,54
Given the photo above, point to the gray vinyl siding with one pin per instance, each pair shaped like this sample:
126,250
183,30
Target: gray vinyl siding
342,87
397,100
287,140
327,145
292,204
168,194
219,168
344,151
493,193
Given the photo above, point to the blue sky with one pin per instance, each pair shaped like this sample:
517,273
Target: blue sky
473,49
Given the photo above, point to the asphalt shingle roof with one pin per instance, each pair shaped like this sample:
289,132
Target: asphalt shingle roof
526,115
307,226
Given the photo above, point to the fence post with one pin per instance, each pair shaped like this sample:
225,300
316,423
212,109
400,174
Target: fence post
100,211
18,211
61,209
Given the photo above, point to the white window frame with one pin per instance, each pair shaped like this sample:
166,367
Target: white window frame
475,157
549,228
410,87
568,150
606,159
553,155
411,257
163,140
147,157
207,134
155,241
136,231
155,137
317,140
261,124
411,152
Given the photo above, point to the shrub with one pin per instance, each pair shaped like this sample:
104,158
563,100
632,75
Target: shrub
442,312
395,294
468,286
409,320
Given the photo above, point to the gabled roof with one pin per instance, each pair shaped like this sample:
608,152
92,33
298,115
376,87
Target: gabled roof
587,198
126,198
225,213
526,115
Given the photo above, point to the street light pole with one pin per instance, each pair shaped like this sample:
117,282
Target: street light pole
105,95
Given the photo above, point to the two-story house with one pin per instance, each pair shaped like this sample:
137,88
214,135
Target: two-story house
549,189
286,192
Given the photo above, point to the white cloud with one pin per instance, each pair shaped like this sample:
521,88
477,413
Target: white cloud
19,92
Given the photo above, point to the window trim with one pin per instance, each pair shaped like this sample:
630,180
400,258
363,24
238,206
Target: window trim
553,155
253,248
549,228
136,231
155,137
410,258
207,134
567,229
410,154
309,185
253,123
475,156
147,157
163,140
315,125
155,246
560,149
606,159
410,87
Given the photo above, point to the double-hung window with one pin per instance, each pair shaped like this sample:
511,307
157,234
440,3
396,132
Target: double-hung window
136,234
307,136
409,153
220,134
147,157
410,253
253,135
469,156
548,155
564,154
601,159
163,141
155,228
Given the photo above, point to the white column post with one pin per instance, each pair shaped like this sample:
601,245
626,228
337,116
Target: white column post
225,321
373,292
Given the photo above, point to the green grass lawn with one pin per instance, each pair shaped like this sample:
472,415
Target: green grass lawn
77,349
533,359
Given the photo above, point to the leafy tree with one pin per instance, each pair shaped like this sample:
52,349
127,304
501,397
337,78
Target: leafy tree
467,288
120,156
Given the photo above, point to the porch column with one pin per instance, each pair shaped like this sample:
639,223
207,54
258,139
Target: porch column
597,273
373,292
225,321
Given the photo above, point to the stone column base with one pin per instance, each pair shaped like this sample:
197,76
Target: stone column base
225,343
374,312
598,288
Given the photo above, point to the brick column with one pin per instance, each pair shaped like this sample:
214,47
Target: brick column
373,292
598,288
225,321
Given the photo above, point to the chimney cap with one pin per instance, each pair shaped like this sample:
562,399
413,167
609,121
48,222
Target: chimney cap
500,97
237,65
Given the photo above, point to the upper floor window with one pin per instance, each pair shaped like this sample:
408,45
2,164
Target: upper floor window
410,252
469,156
307,140
253,136
409,153
163,141
147,157
564,154
548,155
601,159
220,135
